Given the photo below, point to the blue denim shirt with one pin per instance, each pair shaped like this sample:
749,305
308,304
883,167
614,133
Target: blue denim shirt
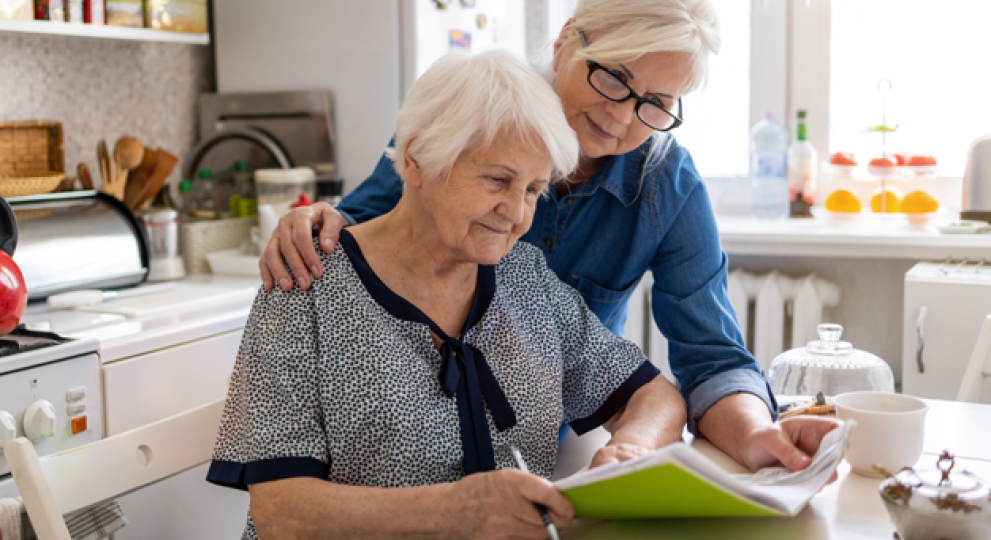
601,239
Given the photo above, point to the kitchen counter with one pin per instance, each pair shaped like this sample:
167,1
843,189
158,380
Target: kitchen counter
167,314
745,235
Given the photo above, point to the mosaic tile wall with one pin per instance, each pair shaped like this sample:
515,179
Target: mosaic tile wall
105,88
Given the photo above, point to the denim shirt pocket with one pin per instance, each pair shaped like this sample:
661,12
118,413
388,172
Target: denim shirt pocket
607,304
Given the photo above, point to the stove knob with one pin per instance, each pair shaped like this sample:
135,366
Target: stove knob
39,420
8,429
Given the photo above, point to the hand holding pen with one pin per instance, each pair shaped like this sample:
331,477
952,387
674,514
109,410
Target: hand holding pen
544,515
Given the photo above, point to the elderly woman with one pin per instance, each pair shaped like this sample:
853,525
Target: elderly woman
386,398
634,204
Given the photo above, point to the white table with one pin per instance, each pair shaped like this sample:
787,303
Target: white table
848,509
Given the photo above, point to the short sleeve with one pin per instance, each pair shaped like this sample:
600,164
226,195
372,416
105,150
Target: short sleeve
272,425
601,370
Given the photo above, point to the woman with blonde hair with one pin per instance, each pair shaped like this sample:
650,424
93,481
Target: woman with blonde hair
387,399
635,203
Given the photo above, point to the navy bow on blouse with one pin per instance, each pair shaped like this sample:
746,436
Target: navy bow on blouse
464,373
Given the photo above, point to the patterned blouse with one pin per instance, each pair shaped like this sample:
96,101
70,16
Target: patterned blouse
343,382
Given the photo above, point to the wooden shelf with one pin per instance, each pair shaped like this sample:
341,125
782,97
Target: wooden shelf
101,31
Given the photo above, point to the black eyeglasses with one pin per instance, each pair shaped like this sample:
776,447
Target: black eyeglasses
609,84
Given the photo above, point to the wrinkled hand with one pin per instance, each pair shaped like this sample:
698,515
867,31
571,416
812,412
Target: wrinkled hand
499,504
292,244
791,442
612,453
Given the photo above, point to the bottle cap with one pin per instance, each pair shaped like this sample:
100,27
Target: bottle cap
303,200
204,173
241,166
185,186
801,114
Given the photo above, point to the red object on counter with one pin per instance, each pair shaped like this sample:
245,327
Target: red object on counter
13,294
303,200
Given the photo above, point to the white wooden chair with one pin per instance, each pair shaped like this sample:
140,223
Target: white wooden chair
61,483
979,366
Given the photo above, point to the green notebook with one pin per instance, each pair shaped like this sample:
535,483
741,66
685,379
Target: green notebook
678,481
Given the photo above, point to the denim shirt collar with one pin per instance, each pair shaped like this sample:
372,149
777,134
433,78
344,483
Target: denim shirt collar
618,175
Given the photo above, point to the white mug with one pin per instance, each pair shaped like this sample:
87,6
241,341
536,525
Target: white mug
890,430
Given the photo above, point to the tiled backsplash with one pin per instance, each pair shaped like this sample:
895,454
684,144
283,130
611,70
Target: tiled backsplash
105,88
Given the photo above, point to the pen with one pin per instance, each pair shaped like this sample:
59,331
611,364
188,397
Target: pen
548,522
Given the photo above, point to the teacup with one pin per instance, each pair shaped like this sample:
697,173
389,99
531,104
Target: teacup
890,430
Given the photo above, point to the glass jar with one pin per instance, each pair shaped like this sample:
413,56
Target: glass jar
830,366
938,503
282,187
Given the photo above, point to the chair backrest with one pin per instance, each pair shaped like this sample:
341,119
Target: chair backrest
61,483
978,367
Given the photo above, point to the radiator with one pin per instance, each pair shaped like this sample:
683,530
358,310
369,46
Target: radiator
780,302
785,314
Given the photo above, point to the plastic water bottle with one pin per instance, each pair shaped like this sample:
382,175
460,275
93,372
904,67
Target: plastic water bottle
769,151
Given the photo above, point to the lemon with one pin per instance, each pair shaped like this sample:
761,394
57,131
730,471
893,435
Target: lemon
843,200
919,202
891,197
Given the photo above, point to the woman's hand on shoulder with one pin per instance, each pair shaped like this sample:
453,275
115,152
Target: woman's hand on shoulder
500,504
292,244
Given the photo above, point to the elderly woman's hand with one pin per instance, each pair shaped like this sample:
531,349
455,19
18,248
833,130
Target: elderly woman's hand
499,504
611,453
292,243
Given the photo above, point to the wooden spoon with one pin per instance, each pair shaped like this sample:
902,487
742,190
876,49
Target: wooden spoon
84,176
128,152
103,157
166,162
139,177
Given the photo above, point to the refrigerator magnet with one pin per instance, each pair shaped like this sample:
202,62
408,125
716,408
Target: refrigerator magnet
459,41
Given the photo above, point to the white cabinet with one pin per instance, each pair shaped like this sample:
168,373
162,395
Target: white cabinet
956,298
148,387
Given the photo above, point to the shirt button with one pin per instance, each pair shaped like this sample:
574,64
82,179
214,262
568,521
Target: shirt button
569,201
548,242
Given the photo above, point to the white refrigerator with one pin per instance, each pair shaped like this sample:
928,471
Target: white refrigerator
367,53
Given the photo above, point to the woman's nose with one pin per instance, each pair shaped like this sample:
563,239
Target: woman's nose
514,207
623,112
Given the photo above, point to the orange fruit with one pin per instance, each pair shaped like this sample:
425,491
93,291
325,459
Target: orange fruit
842,158
891,196
921,161
843,200
919,202
884,161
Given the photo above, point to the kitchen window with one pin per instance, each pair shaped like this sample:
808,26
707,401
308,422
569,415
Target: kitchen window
936,56
717,117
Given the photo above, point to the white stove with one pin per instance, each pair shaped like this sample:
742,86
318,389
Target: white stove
50,392
164,349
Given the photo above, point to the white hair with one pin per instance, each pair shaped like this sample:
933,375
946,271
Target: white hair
463,103
624,30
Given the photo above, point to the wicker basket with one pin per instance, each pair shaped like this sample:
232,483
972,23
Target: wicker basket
202,237
19,185
31,157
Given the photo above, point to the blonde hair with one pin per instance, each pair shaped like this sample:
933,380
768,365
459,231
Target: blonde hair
464,102
624,30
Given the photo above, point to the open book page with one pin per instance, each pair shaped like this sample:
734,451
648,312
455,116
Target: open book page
665,483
